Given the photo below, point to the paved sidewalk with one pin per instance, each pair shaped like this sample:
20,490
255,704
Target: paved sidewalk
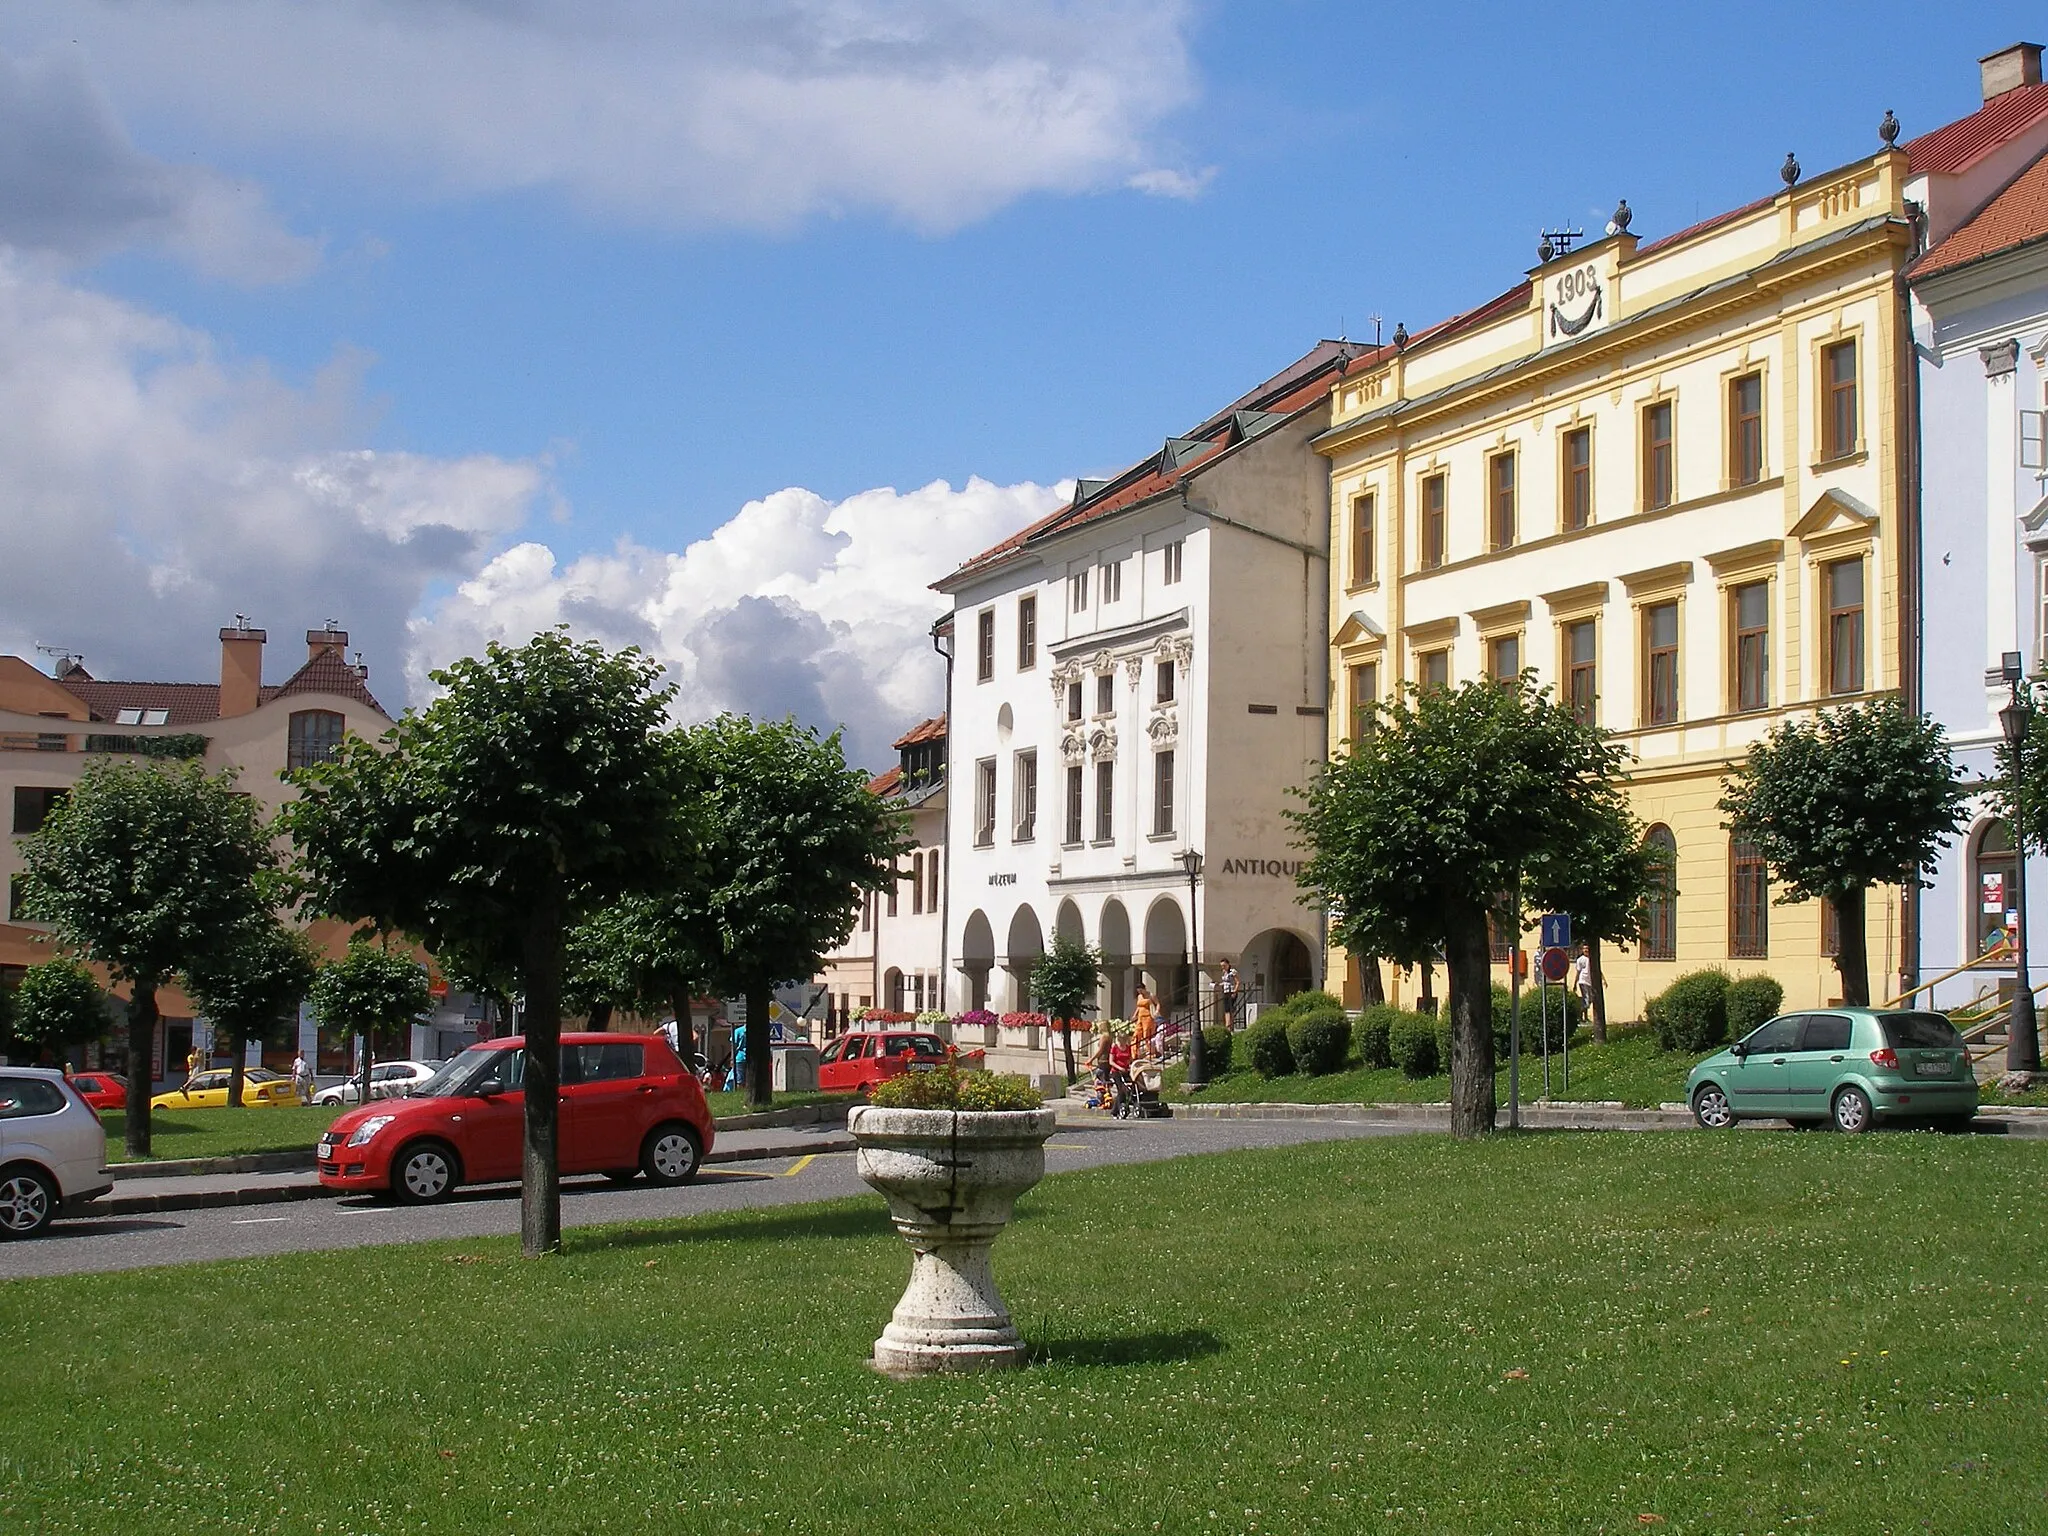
146,1187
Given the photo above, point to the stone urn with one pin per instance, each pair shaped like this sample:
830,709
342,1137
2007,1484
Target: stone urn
952,1178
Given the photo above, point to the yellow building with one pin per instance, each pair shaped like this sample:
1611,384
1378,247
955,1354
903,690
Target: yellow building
1674,477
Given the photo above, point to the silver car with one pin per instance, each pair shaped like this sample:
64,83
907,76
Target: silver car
53,1151
388,1080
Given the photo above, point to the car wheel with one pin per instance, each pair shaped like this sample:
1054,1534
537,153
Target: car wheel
671,1155
27,1202
424,1172
1853,1114
1711,1109
622,1175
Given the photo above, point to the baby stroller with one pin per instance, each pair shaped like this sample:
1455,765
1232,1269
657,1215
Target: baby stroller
1134,1095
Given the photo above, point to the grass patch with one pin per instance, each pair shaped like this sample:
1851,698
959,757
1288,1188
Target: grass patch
181,1133
735,1103
1545,1332
1631,1067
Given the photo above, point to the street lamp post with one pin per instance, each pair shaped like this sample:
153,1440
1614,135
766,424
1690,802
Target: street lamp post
1198,1067
2022,1031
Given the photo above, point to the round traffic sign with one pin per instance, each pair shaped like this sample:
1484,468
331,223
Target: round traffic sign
1555,964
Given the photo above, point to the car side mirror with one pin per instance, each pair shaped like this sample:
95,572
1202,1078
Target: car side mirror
489,1088
1738,1049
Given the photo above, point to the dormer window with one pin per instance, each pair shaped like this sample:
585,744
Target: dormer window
142,717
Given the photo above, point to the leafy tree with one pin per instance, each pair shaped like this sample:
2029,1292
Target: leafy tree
147,868
1064,982
1457,796
643,953
370,988
541,785
1858,796
791,837
1603,888
251,987
58,1005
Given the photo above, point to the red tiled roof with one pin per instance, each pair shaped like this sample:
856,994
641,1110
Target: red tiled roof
884,783
188,703
1705,225
2017,215
933,729
1962,143
326,673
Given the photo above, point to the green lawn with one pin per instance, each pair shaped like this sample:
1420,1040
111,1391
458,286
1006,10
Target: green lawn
1630,1068
1693,1333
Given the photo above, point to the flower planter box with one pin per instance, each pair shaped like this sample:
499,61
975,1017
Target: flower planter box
952,1178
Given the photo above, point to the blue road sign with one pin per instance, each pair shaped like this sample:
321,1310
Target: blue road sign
1556,930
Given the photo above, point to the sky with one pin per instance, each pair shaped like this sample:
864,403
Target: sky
724,327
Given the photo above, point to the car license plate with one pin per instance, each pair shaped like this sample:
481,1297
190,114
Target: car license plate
1932,1068
922,1066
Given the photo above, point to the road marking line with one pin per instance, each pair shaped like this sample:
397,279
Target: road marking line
256,1221
799,1165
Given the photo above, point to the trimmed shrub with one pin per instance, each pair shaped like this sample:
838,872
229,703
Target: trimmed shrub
1370,1034
947,1087
1532,1020
1265,1043
1412,1043
1692,1013
1319,1040
1751,1000
1216,1046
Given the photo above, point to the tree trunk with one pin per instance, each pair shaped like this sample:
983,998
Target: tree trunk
600,1018
1851,958
237,1072
540,1175
1373,989
1067,1046
1466,962
141,1079
760,1069
1599,992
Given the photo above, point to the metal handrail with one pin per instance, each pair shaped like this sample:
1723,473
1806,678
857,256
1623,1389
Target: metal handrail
1998,959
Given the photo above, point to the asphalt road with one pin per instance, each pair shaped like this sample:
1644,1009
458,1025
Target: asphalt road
233,1232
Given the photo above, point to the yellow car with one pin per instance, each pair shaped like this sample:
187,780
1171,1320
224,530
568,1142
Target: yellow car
209,1090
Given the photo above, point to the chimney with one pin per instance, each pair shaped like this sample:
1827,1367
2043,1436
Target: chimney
328,639
2010,68
241,668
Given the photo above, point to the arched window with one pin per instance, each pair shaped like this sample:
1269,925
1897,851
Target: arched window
1749,902
314,737
1991,888
1660,912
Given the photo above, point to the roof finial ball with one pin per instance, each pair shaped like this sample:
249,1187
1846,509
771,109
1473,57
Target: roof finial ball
1888,130
1622,214
1789,171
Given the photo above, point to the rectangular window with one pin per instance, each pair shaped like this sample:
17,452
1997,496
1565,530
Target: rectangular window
1830,929
985,803
1746,430
1752,604
1026,794
1365,692
1842,583
313,736
1581,663
1112,581
1364,530
1500,501
1504,658
1027,633
1432,550
1105,693
32,807
1162,793
1578,478
1660,664
867,912
931,875
1077,591
895,886
1838,419
1073,836
1749,902
1073,701
1105,801
1433,668
1163,690
1170,575
1499,941
985,645
917,883
1657,455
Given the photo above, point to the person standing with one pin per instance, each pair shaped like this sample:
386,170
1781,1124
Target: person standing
1582,980
302,1078
1226,994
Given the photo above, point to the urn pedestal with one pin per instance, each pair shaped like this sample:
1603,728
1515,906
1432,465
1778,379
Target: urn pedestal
952,1178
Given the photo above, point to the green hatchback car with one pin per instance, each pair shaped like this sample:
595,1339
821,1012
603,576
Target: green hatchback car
1852,1066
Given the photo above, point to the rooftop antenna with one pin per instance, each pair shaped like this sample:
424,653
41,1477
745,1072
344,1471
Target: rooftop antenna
331,624
1375,319
65,660
1553,243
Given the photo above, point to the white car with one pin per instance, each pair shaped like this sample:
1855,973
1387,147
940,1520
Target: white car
388,1080
53,1151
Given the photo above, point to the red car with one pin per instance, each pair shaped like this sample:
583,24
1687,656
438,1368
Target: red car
628,1107
855,1062
102,1090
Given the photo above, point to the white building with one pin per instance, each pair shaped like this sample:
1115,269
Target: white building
895,957
1980,318
1142,674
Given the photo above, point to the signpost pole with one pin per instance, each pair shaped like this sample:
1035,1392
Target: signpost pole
1543,1010
1515,1036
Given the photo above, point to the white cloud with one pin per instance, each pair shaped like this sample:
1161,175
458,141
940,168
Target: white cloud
73,185
1185,185
796,606
150,490
680,113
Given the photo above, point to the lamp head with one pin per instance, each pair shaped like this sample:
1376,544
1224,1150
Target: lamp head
1190,861
2012,666
2012,721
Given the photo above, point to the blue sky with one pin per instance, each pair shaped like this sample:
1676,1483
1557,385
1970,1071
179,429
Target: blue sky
501,258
